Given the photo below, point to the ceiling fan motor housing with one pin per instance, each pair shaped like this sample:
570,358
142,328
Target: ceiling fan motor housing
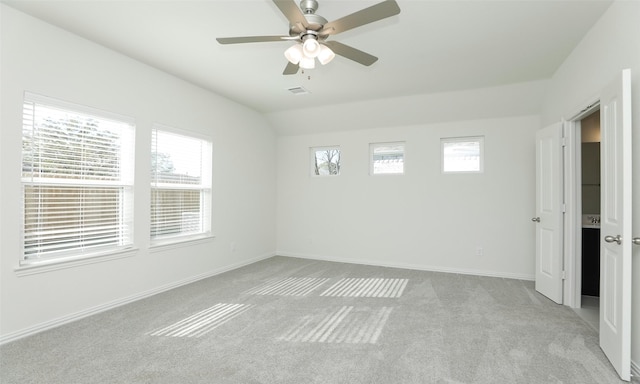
315,23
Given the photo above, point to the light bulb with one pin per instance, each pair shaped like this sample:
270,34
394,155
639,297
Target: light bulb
294,53
325,55
307,63
311,48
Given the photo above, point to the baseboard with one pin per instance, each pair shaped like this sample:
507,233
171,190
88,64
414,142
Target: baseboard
635,369
420,267
123,301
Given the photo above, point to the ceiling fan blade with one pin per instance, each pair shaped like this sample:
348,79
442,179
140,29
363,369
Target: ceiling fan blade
351,53
368,15
291,12
290,69
253,39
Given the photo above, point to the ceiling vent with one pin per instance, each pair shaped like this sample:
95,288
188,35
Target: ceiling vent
298,91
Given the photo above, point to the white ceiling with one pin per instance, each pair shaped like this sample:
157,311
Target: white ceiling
430,47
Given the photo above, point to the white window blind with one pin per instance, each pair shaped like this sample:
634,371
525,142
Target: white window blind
386,158
180,186
77,180
462,154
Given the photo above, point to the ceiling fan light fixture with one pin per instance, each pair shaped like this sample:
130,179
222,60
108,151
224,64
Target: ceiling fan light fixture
307,63
325,55
294,53
311,47
310,31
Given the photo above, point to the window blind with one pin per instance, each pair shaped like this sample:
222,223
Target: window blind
77,179
462,154
180,185
387,158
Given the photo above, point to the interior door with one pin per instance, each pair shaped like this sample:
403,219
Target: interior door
615,224
549,212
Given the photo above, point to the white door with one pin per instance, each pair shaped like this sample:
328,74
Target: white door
615,224
549,215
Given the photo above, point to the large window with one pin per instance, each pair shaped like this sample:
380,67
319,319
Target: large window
77,180
180,186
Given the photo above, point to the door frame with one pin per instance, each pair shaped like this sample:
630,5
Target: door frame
572,285
615,333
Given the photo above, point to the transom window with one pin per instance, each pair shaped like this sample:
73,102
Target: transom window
325,161
387,158
462,154
77,180
180,186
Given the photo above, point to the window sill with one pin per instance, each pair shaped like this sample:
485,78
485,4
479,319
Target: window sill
32,268
166,244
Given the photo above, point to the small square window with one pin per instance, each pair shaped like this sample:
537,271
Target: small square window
387,158
325,161
462,154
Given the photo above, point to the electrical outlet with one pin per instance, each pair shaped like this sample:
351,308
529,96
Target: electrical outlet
232,247
479,251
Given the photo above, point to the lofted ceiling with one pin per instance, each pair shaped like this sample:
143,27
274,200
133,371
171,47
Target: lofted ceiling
430,47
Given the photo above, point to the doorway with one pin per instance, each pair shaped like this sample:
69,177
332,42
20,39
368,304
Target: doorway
614,104
588,236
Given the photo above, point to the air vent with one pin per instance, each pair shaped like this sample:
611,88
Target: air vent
298,91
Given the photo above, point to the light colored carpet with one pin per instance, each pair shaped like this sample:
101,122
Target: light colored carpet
286,320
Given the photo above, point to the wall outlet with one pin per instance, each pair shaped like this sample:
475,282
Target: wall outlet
232,247
479,251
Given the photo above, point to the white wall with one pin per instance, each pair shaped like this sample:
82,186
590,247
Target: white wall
610,46
521,99
422,219
40,58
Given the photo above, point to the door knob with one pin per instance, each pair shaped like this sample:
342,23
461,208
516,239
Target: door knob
536,219
611,239
636,240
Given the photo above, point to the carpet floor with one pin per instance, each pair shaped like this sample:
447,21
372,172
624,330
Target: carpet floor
287,320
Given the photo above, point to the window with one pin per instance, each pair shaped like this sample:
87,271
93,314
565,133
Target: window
387,158
77,180
180,186
325,161
462,154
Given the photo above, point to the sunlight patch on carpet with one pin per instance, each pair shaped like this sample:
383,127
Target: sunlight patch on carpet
203,322
344,325
292,286
367,287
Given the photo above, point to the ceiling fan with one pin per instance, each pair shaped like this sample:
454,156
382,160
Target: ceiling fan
310,33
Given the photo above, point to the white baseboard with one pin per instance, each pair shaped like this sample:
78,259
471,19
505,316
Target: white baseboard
420,267
123,301
635,369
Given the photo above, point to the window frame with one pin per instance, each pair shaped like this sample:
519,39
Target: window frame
82,252
372,147
462,139
205,188
312,160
